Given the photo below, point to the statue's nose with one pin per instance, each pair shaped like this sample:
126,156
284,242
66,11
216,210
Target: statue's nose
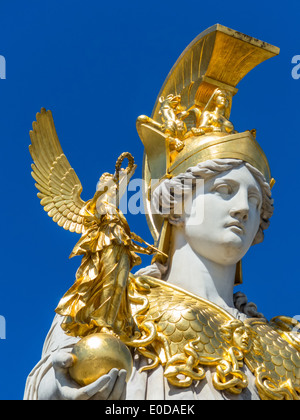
240,207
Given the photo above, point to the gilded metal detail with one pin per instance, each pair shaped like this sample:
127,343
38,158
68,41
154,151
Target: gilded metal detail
97,301
190,121
96,354
184,333
215,116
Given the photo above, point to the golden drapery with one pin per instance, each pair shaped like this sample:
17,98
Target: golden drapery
99,298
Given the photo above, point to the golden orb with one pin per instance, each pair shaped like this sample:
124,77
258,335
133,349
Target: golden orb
96,354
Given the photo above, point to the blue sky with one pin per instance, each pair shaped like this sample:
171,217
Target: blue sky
98,66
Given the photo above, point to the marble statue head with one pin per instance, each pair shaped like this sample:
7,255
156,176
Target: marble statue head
224,217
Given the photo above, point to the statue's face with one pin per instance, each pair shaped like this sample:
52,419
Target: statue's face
242,339
222,101
230,205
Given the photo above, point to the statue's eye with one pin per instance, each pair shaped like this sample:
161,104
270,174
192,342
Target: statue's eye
255,199
223,189
239,331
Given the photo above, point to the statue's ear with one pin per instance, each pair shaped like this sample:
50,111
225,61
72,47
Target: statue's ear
259,237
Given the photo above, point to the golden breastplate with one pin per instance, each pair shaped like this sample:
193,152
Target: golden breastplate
184,333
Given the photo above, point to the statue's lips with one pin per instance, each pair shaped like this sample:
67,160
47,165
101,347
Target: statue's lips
237,227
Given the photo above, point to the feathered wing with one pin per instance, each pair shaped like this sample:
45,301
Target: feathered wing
183,330
58,185
278,366
183,318
185,333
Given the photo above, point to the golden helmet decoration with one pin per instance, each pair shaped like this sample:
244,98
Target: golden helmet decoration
178,136
190,119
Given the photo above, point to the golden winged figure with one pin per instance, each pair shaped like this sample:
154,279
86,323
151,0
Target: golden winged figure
98,300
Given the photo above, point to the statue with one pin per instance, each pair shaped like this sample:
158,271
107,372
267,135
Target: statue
208,200
215,116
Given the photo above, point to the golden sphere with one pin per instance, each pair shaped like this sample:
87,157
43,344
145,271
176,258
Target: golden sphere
96,354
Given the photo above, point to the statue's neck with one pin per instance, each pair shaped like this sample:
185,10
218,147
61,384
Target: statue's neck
199,275
220,111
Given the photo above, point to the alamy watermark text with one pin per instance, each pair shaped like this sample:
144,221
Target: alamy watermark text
296,68
2,67
2,328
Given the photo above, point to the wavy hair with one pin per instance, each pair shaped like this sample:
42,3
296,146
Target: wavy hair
167,199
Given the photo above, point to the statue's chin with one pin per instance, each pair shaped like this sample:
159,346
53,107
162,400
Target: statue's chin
233,248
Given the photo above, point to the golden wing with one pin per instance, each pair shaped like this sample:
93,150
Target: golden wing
183,318
186,333
276,366
58,185
180,331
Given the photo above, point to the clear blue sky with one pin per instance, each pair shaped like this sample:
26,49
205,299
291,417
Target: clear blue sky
98,66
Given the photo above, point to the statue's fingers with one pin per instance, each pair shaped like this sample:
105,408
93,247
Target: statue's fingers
70,390
102,387
119,390
123,395
62,360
